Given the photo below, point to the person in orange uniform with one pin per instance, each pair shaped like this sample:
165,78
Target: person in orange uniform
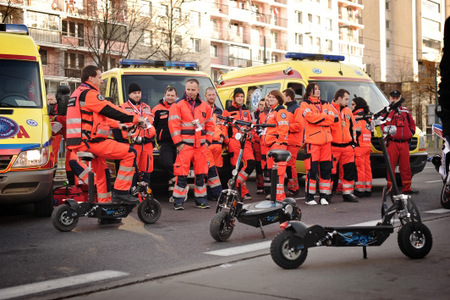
277,137
363,184
167,149
318,117
143,139
239,111
256,145
192,129
89,117
214,151
344,137
295,140
398,145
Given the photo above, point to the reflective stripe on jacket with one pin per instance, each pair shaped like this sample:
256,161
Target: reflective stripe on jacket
363,130
191,123
278,115
343,132
318,116
295,137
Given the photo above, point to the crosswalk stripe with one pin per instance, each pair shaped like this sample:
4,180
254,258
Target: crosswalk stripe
38,287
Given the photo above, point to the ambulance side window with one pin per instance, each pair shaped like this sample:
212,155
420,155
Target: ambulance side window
113,91
256,92
298,88
104,86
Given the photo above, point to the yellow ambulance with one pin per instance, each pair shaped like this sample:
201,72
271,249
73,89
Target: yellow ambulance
153,77
26,169
331,74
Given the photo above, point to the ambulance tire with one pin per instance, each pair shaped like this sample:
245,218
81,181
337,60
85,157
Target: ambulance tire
44,207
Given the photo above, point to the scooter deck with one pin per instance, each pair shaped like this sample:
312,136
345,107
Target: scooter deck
261,213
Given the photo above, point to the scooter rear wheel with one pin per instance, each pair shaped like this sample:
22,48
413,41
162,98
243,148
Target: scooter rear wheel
284,256
149,215
62,219
445,196
415,240
221,227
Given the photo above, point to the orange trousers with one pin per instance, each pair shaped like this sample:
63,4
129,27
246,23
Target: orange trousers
291,169
363,169
345,157
281,171
319,166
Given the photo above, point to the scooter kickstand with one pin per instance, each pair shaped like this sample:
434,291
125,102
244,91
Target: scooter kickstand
364,252
262,231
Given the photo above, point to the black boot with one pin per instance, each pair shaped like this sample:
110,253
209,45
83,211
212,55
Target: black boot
350,198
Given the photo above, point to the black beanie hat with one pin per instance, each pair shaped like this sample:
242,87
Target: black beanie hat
238,91
133,87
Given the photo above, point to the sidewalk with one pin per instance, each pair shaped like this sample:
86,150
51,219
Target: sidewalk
328,273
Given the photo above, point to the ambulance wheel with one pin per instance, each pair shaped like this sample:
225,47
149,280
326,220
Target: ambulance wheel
221,226
445,196
415,240
62,218
149,215
44,207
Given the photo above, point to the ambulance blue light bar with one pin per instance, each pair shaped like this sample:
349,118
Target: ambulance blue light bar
15,28
156,63
314,56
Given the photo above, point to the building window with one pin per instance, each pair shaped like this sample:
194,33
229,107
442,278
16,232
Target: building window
145,8
164,10
388,5
234,29
299,17
177,13
318,20
73,61
329,23
214,25
147,38
388,24
330,4
299,39
42,20
195,45
318,42
310,18
44,57
195,19
178,40
430,7
214,51
388,44
430,25
329,45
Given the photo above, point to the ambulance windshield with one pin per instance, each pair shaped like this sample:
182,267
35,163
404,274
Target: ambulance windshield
153,86
367,90
19,84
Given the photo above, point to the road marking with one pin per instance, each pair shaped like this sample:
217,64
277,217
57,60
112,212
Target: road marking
38,287
438,211
266,245
240,249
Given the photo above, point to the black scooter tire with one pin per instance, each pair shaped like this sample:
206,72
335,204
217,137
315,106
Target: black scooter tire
62,220
415,240
445,196
282,255
147,215
221,227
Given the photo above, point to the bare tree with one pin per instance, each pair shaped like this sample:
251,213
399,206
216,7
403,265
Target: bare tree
116,28
424,89
173,27
6,12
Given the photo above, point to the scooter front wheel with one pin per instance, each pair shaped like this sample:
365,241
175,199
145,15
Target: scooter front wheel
62,218
415,240
221,226
149,214
283,255
445,196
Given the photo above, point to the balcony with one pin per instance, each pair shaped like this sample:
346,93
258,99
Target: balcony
240,14
74,73
239,62
45,36
73,41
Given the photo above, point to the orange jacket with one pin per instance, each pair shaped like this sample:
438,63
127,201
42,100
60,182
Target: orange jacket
363,130
318,117
277,115
89,116
218,128
141,109
190,122
238,113
295,137
343,132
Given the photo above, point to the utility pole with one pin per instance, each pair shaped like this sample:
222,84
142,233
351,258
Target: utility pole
264,54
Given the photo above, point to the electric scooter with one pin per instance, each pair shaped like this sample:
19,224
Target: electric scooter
290,247
442,163
230,205
65,217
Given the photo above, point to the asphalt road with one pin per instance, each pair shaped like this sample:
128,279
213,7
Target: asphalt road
33,254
